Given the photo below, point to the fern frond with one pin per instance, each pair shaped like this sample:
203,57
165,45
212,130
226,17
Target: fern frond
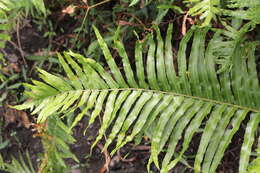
244,9
248,142
56,139
26,5
22,165
207,9
210,9
4,36
170,103
10,7
10,10
4,26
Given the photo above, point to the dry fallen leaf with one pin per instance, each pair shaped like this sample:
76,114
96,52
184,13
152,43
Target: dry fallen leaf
69,10
10,117
15,67
16,116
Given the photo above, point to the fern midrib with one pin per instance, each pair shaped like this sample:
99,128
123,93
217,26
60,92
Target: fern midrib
165,92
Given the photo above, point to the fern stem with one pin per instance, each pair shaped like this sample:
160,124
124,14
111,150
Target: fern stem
172,93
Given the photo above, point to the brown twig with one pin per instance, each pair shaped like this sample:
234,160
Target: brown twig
86,14
107,159
123,159
3,51
140,22
19,42
141,148
185,19
17,47
99,3
183,28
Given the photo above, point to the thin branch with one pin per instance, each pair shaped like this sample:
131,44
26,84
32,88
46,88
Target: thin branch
17,47
107,159
100,3
86,14
183,28
19,42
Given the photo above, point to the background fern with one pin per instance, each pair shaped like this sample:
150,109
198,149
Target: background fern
55,139
211,9
10,11
23,165
247,10
170,103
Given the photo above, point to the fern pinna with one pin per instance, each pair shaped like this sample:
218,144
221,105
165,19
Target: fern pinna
218,85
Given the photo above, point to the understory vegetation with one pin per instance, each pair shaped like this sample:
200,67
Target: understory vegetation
173,85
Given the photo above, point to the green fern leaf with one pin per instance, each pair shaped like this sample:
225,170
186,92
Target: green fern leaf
244,9
156,97
22,165
210,9
207,9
